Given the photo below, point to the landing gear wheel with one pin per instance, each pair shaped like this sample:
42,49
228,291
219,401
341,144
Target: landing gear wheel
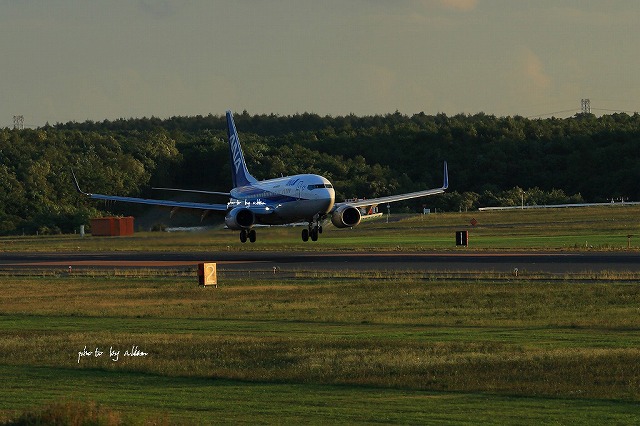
314,234
243,236
305,235
252,235
319,229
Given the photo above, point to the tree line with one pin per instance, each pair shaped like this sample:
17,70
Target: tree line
493,161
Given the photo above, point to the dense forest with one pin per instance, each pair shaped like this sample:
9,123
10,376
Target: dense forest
492,160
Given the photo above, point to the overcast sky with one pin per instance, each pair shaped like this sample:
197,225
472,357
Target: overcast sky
73,60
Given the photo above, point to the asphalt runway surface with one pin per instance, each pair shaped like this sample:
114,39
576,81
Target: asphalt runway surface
463,261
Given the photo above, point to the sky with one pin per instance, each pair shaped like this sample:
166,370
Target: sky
77,60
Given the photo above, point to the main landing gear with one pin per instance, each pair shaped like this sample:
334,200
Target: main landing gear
251,234
311,231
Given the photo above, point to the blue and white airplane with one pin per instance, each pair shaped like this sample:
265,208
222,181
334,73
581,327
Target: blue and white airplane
286,200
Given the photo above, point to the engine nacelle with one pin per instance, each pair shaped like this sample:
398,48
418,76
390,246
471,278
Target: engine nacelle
239,218
345,217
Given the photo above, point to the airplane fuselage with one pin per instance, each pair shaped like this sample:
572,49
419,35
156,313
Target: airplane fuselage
291,198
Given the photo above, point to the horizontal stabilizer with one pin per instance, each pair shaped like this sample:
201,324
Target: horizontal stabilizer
194,191
161,203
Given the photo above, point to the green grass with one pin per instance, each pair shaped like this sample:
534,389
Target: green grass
332,347
211,400
396,348
589,228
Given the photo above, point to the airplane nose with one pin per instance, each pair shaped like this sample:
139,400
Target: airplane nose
330,197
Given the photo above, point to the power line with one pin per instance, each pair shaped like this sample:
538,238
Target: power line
615,110
552,113
585,108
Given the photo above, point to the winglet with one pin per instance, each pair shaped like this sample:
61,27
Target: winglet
445,184
75,181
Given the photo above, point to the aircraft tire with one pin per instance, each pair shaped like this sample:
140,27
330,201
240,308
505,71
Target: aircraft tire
252,235
243,236
314,234
305,235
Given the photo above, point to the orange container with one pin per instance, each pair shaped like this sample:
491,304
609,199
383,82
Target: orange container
112,226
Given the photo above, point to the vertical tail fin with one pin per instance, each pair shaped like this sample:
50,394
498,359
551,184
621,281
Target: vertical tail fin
239,173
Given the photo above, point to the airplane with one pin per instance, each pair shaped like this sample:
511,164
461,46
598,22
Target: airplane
286,200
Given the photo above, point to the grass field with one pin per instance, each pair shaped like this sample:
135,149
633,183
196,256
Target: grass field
317,350
588,228
339,347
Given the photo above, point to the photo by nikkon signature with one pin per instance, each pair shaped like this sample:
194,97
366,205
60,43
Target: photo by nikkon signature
113,354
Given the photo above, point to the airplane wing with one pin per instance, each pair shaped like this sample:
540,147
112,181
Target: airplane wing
400,197
161,203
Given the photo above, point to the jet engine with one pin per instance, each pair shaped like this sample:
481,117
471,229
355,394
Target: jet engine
239,218
345,217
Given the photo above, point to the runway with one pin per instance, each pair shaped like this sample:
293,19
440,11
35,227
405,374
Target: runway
547,262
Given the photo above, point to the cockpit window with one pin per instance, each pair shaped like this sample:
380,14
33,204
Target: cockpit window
320,185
